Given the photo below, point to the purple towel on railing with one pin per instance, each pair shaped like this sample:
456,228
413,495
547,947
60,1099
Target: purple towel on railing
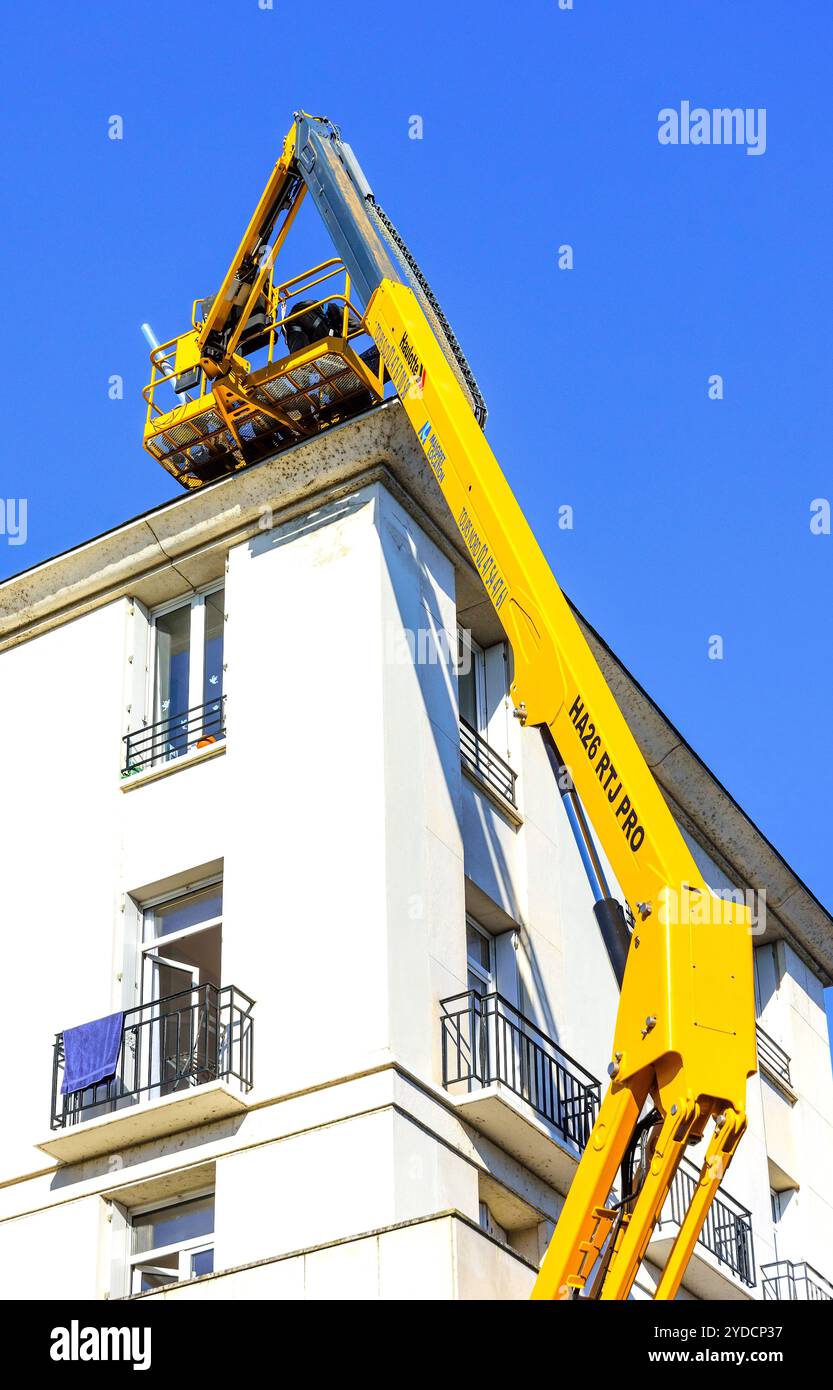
91,1052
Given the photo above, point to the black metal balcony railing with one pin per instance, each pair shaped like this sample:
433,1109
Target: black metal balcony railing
184,1040
783,1280
727,1230
170,738
485,1040
772,1056
485,763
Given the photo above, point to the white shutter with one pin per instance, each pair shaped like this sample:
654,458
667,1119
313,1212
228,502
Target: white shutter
137,675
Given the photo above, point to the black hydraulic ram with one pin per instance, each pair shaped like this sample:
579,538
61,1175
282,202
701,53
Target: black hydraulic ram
607,910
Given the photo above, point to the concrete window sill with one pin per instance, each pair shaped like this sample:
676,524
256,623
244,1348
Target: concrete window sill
155,774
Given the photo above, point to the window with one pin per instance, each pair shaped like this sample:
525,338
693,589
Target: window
171,1242
181,958
480,957
471,681
482,718
187,674
182,942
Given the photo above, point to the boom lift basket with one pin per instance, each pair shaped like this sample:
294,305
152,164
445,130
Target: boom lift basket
200,430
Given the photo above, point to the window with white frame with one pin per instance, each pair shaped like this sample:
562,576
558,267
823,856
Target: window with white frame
480,958
170,1241
471,681
479,677
182,938
480,961
187,674
184,1036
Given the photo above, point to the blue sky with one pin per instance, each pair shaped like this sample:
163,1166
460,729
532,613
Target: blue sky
691,515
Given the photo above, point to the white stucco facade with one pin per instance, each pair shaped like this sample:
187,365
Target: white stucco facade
351,846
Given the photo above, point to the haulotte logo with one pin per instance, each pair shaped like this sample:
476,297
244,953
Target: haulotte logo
722,125
77,1343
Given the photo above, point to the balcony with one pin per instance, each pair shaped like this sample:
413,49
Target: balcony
184,1060
511,1081
783,1281
515,1085
773,1059
169,739
485,765
726,1237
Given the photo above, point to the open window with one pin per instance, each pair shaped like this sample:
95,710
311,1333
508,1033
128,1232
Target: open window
181,969
182,941
170,1242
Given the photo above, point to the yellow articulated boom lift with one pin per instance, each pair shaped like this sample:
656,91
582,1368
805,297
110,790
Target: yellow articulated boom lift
267,363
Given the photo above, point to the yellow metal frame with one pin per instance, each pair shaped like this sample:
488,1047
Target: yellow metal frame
229,294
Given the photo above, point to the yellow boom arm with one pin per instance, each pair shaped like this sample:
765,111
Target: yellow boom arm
685,1030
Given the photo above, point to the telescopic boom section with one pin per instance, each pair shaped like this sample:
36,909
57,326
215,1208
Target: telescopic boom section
685,1030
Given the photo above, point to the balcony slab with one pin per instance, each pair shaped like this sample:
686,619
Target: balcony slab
502,1116
135,1124
705,1276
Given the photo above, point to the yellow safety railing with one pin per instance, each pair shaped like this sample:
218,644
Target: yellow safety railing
279,297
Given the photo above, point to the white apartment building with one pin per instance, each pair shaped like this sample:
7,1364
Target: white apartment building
251,806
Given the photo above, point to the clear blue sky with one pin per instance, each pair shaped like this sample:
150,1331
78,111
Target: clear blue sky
540,128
